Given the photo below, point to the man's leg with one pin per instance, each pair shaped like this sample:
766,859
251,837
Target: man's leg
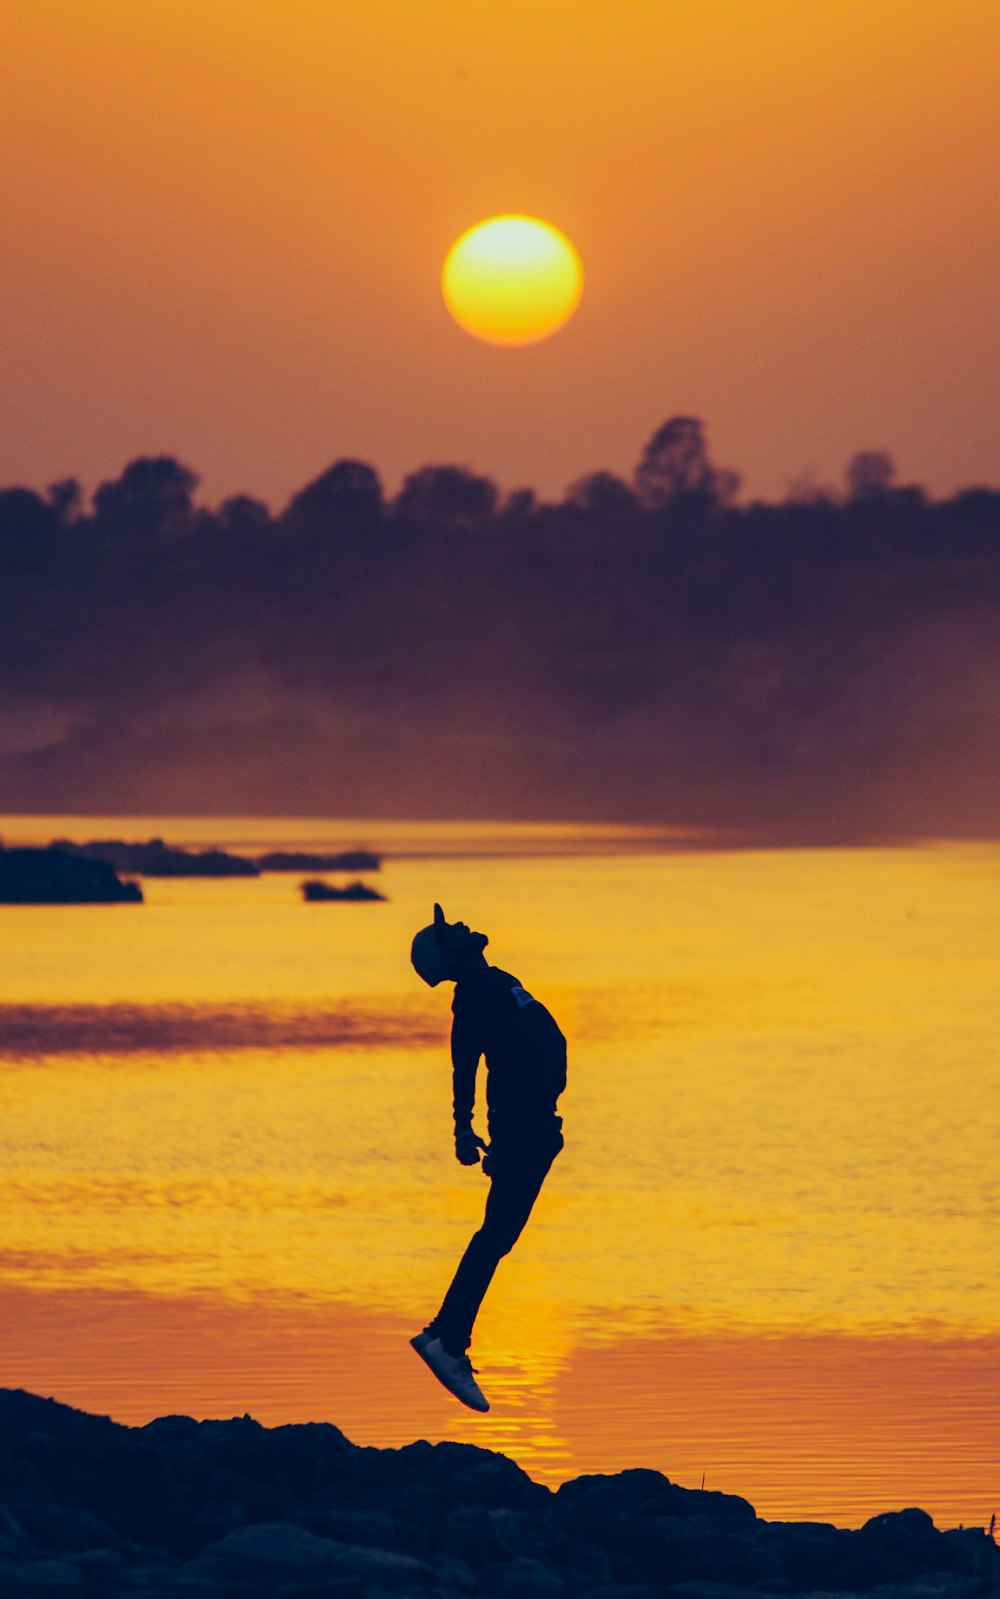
516,1178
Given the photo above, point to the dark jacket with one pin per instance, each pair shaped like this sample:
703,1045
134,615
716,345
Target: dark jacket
525,1055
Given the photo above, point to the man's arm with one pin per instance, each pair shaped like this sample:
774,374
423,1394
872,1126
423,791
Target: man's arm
466,1050
465,1054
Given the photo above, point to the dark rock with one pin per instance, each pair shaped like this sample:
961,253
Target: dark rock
700,1548
804,1552
53,1456
977,1552
893,1548
630,1590
376,1529
424,1479
654,1531
649,1493
316,892
455,1575
46,1576
104,1566
582,1566
52,877
16,1548
154,1585
522,1578
263,1556
267,1553
62,1529
222,1475
706,1588
479,1537
165,1426
381,1570
181,1509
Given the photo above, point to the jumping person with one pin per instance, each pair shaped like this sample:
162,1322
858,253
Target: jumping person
525,1074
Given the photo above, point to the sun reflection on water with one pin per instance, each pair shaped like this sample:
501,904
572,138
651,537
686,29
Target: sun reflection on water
225,1111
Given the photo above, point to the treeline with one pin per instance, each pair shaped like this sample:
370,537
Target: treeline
641,648
155,498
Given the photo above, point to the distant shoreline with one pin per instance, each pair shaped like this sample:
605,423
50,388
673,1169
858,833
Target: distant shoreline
402,839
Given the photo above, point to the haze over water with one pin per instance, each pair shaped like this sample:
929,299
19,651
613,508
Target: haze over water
765,1256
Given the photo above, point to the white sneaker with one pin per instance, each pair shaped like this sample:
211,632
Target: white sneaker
455,1372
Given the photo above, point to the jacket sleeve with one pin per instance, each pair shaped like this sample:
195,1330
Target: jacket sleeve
466,1049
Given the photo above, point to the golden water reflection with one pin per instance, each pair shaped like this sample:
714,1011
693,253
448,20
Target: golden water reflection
821,1427
738,1190
765,1254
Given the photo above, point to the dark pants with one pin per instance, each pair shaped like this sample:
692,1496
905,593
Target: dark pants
517,1170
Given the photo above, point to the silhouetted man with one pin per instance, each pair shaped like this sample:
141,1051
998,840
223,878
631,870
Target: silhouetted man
525,1074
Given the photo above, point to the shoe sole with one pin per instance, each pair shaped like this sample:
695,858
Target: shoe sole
419,1343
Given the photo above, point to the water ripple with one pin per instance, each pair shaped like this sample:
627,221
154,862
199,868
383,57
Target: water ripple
30,1031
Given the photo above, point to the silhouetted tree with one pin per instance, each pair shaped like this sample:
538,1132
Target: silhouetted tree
27,529
451,495
348,491
675,469
240,513
66,500
869,475
806,490
519,505
978,503
601,494
152,498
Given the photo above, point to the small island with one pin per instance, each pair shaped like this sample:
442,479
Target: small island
55,877
314,891
157,859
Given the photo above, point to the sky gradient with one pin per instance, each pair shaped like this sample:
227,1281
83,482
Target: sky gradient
224,224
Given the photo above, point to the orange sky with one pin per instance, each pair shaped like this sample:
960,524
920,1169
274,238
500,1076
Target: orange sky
223,223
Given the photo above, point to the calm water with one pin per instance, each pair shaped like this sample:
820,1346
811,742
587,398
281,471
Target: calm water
767,1254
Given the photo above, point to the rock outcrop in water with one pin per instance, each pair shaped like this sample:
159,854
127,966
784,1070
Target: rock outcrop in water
315,892
194,1509
53,877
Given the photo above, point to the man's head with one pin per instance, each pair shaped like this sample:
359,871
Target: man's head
445,949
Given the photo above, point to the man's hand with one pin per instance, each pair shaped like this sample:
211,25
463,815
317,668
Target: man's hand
467,1147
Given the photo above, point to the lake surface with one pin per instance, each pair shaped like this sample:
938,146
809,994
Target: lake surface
767,1256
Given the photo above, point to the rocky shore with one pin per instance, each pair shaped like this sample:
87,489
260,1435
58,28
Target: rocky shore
181,1509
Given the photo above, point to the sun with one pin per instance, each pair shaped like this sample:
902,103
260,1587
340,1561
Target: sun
512,280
